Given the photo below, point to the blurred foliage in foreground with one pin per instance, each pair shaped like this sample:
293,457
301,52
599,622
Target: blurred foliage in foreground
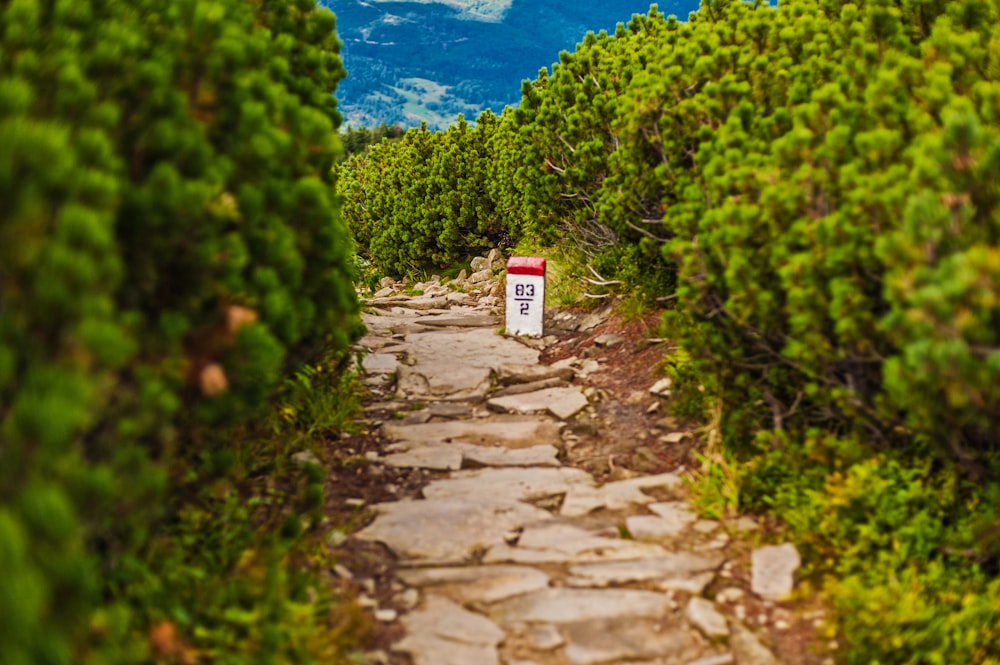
169,246
814,187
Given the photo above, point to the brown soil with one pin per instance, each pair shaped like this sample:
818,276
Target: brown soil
621,439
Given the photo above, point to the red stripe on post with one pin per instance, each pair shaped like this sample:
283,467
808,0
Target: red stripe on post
526,265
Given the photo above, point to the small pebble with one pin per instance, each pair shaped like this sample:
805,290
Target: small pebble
409,599
386,615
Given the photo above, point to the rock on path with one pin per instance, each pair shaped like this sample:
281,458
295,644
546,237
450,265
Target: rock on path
512,558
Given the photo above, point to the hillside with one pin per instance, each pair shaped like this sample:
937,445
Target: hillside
413,62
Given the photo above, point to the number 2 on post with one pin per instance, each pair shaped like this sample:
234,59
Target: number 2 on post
524,294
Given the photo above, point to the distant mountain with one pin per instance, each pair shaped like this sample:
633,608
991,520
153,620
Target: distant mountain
421,61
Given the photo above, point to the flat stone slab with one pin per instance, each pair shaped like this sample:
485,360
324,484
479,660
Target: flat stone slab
694,585
508,485
583,368
521,388
583,499
416,417
650,527
437,458
447,530
565,543
748,649
442,633
674,511
544,637
417,303
667,566
380,363
496,456
375,343
563,403
482,584
461,321
562,605
653,527
461,360
772,570
510,432
449,410
454,456
510,373
463,383
614,641
386,324
703,614
608,339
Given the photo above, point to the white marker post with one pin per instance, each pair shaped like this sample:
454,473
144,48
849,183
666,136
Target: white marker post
525,295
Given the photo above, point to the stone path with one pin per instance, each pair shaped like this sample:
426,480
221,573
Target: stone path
511,556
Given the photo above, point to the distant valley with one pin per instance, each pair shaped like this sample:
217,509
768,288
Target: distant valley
413,62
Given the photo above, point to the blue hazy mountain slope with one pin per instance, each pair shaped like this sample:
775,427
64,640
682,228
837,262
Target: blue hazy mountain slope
411,62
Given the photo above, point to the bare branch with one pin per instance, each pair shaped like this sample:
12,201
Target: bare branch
646,233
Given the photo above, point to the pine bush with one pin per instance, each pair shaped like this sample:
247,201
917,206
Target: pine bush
422,202
819,180
168,238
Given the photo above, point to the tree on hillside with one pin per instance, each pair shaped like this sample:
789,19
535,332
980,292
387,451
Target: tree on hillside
359,139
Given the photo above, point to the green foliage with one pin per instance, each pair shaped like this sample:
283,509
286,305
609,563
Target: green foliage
901,546
317,399
168,240
924,613
421,203
816,180
237,572
814,186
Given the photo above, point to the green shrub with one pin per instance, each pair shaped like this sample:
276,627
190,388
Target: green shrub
797,164
900,546
421,203
822,180
168,240
922,613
